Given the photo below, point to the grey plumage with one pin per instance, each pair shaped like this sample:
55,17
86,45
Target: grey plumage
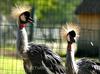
87,66
38,59
43,60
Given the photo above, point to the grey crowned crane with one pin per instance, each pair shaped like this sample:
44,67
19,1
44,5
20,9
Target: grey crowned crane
37,59
84,65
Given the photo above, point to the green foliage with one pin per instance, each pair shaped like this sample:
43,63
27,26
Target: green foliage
55,11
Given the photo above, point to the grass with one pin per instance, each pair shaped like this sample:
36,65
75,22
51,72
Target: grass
9,65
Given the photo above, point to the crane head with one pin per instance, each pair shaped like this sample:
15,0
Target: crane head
70,36
70,32
25,17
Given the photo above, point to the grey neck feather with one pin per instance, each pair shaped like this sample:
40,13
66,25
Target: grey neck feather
22,41
70,61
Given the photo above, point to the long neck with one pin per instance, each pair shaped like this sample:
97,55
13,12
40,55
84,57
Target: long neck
22,40
70,60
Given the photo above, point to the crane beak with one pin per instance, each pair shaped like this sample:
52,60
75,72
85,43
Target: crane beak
30,20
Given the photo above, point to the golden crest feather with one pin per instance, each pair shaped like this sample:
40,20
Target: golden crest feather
69,27
18,9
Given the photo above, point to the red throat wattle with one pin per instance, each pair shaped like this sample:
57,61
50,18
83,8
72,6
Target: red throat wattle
21,26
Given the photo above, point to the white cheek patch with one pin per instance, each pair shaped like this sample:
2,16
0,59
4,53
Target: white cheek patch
22,17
